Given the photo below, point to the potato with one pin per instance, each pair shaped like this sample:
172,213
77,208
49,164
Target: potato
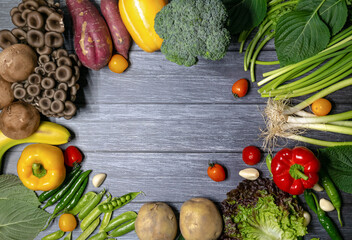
6,93
17,62
19,120
156,221
200,220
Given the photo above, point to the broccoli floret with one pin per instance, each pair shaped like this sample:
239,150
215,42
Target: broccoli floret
193,28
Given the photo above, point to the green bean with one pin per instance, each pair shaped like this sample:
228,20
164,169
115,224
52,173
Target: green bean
92,204
58,195
105,222
77,196
85,234
332,192
82,202
95,213
123,229
99,236
120,202
124,217
47,194
55,235
324,219
68,236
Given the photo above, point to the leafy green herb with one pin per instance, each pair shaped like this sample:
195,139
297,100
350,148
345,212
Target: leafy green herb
338,163
245,14
20,215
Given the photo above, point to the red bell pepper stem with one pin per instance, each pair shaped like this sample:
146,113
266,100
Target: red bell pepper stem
301,174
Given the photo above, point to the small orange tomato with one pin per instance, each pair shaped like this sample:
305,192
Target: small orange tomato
216,172
240,88
321,107
67,222
118,63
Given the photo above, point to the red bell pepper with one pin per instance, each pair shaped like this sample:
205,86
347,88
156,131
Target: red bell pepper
295,170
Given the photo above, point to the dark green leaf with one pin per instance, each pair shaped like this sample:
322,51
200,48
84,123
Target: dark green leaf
338,162
245,14
299,35
332,12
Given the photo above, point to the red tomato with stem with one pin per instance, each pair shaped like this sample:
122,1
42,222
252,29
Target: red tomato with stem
251,155
240,88
216,172
72,156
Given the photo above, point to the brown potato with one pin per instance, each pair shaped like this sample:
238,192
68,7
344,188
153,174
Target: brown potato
19,120
200,220
17,62
156,221
6,93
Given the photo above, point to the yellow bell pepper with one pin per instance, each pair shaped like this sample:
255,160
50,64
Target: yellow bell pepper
41,167
138,17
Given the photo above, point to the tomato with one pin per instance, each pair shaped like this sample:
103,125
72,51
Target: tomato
321,107
240,88
67,222
72,155
251,155
118,63
216,172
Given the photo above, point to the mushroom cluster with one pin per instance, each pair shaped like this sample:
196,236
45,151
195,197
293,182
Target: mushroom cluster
52,88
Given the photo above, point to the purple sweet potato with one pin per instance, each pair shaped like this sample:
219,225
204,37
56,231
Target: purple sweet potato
119,33
92,40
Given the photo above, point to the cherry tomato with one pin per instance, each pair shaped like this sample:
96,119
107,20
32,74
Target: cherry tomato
240,88
67,222
251,155
216,172
118,63
72,155
321,107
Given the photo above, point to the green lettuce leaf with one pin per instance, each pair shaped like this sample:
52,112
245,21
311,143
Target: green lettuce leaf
20,217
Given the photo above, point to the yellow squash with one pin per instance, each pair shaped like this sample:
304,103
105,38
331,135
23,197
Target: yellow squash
138,17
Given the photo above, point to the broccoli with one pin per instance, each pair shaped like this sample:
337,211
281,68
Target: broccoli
192,28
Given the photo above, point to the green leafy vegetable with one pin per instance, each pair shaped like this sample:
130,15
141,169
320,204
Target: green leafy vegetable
338,163
258,210
20,215
245,14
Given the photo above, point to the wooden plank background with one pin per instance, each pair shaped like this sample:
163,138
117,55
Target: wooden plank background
155,127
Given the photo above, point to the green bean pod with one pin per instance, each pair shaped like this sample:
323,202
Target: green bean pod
86,233
122,218
99,236
54,236
77,196
332,192
82,202
105,221
58,195
47,194
116,203
94,214
123,229
90,205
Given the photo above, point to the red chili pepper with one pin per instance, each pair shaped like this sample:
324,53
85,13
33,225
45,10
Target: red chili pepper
295,170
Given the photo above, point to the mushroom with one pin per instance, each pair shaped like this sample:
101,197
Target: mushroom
33,90
53,39
44,103
33,5
55,23
19,34
60,53
62,86
18,20
25,13
48,83
17,62
52,74
63,73
63,60
39,70
44,50
35,38
7,39
60,95
13,11
49,67
6,93
35,20
57,106
43,59
34,78
49,93
21,7
45,10
70,108
19,93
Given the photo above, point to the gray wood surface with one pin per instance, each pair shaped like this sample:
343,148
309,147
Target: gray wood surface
155,127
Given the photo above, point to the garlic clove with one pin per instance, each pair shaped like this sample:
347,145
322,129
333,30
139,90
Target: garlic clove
326,205
98,179
307,218
249,173
318,188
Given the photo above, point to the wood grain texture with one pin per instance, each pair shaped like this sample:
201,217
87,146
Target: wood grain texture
155,127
